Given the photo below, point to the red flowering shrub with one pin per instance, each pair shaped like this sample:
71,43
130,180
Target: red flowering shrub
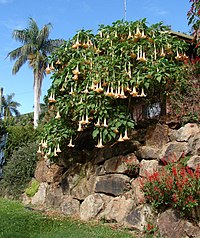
174,185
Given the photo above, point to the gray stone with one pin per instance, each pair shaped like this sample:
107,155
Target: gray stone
117,209
84,187
187,131
118,148
40,197
113,184
91,206
148,152
194,162
138,195
148,167
172,134
70,206
157,135
54,196
138,217
120,164
171,225
194,145
173,151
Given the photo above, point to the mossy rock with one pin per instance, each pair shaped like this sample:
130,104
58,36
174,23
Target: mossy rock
32,190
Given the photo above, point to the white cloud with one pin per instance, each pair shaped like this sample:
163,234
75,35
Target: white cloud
5,1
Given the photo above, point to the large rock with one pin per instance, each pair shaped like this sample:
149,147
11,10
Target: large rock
194,144
138,217
121,164
173,151
84,187
113,184
171,225
91,206
70,206
187,131
54,196
48,173
118,148
117,209
157,135
138,194
194,162
148,152
148,167
40,196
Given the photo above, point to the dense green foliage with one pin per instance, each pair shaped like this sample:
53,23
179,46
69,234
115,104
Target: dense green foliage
18,222
97,79
19,170
19,136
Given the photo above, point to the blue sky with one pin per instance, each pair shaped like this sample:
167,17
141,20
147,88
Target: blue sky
67,17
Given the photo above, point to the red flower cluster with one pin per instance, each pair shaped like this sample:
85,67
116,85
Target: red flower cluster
175,185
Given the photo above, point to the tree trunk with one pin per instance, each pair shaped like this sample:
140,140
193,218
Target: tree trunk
36,100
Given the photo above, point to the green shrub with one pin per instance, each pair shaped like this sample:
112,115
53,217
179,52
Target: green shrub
19,136
19,170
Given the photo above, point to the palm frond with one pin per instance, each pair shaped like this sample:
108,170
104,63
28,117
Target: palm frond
20,35
43,36
18,64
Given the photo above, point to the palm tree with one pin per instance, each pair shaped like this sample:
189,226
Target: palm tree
36,46
9,106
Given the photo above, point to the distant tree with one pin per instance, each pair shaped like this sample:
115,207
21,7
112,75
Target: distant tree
9,106
36,46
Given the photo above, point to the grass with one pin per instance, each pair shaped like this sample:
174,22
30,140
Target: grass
18,222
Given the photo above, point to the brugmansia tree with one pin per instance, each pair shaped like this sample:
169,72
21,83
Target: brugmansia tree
36,46
98,78
9,106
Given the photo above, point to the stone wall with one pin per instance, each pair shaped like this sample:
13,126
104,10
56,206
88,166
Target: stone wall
107,186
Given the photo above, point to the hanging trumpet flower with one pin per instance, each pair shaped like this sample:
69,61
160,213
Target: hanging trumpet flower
98,123
63,88
48,70
71,91
39,151
155,53
134,93
100,144
49,152
44,144
58,150
143,36
122,95
58,115
162,54
120,138
129,34
55,152
52,67
138,33
80,126
142,93
52,98
70,143
76,70
86,89
125,137
105,122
